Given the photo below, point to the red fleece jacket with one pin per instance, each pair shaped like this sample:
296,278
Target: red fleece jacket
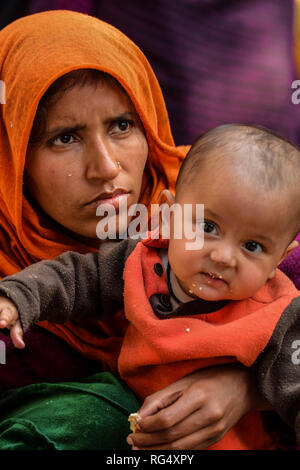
156,352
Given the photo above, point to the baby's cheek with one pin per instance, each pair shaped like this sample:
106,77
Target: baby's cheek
175,251
182,261
251,281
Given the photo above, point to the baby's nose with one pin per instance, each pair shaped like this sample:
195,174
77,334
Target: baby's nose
223,255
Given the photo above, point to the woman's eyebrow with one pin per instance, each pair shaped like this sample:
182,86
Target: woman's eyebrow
119,117
64,129
69,129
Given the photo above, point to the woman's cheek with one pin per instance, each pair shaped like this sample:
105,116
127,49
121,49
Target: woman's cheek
52,182
60,180
141,149
62,167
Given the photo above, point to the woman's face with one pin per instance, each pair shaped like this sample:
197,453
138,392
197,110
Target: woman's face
93,152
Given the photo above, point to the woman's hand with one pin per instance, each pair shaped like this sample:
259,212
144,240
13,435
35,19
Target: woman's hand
197,410
9,318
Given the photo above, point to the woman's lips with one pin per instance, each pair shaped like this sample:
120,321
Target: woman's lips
114,199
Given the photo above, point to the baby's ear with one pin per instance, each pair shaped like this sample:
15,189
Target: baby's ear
289,250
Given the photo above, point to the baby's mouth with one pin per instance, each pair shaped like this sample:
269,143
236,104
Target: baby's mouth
214,278
215,275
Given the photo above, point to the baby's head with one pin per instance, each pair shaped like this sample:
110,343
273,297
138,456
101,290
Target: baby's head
248,180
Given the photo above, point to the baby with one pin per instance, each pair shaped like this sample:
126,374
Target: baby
187,309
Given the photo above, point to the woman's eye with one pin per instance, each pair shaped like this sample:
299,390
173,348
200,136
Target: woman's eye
121,126
253,247
63,139
209,227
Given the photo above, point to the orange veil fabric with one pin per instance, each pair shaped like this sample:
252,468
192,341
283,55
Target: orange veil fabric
34,52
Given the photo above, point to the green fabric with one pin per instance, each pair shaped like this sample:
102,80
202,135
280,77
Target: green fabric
89,414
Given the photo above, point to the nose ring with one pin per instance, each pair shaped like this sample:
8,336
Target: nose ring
118,164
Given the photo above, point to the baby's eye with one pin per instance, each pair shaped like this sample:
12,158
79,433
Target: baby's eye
209,227
253,247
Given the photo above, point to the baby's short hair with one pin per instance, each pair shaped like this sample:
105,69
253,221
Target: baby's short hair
267,159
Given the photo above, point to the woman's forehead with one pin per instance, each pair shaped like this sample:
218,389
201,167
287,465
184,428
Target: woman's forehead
106,100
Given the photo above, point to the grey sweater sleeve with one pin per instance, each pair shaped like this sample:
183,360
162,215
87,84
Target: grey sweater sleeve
71,286
278,367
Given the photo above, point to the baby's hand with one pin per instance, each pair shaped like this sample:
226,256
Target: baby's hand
9,318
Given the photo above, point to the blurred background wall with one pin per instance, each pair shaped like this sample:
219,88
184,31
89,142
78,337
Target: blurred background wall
217,61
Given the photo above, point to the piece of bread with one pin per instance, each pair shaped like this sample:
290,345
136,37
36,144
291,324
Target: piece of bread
133,419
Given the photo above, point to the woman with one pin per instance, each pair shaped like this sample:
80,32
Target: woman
71,139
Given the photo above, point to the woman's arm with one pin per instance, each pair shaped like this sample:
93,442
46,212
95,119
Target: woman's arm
197,410
277,368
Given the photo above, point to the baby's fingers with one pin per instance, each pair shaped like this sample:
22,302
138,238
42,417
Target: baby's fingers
16,334
7,317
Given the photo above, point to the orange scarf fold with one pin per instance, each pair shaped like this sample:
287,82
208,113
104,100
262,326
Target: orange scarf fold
35,51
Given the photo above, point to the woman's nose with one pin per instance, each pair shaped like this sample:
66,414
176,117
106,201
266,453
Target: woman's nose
101,161
224,255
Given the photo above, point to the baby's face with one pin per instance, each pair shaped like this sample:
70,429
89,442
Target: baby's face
246,235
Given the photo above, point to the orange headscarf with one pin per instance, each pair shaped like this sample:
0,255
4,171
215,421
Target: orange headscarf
35,51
